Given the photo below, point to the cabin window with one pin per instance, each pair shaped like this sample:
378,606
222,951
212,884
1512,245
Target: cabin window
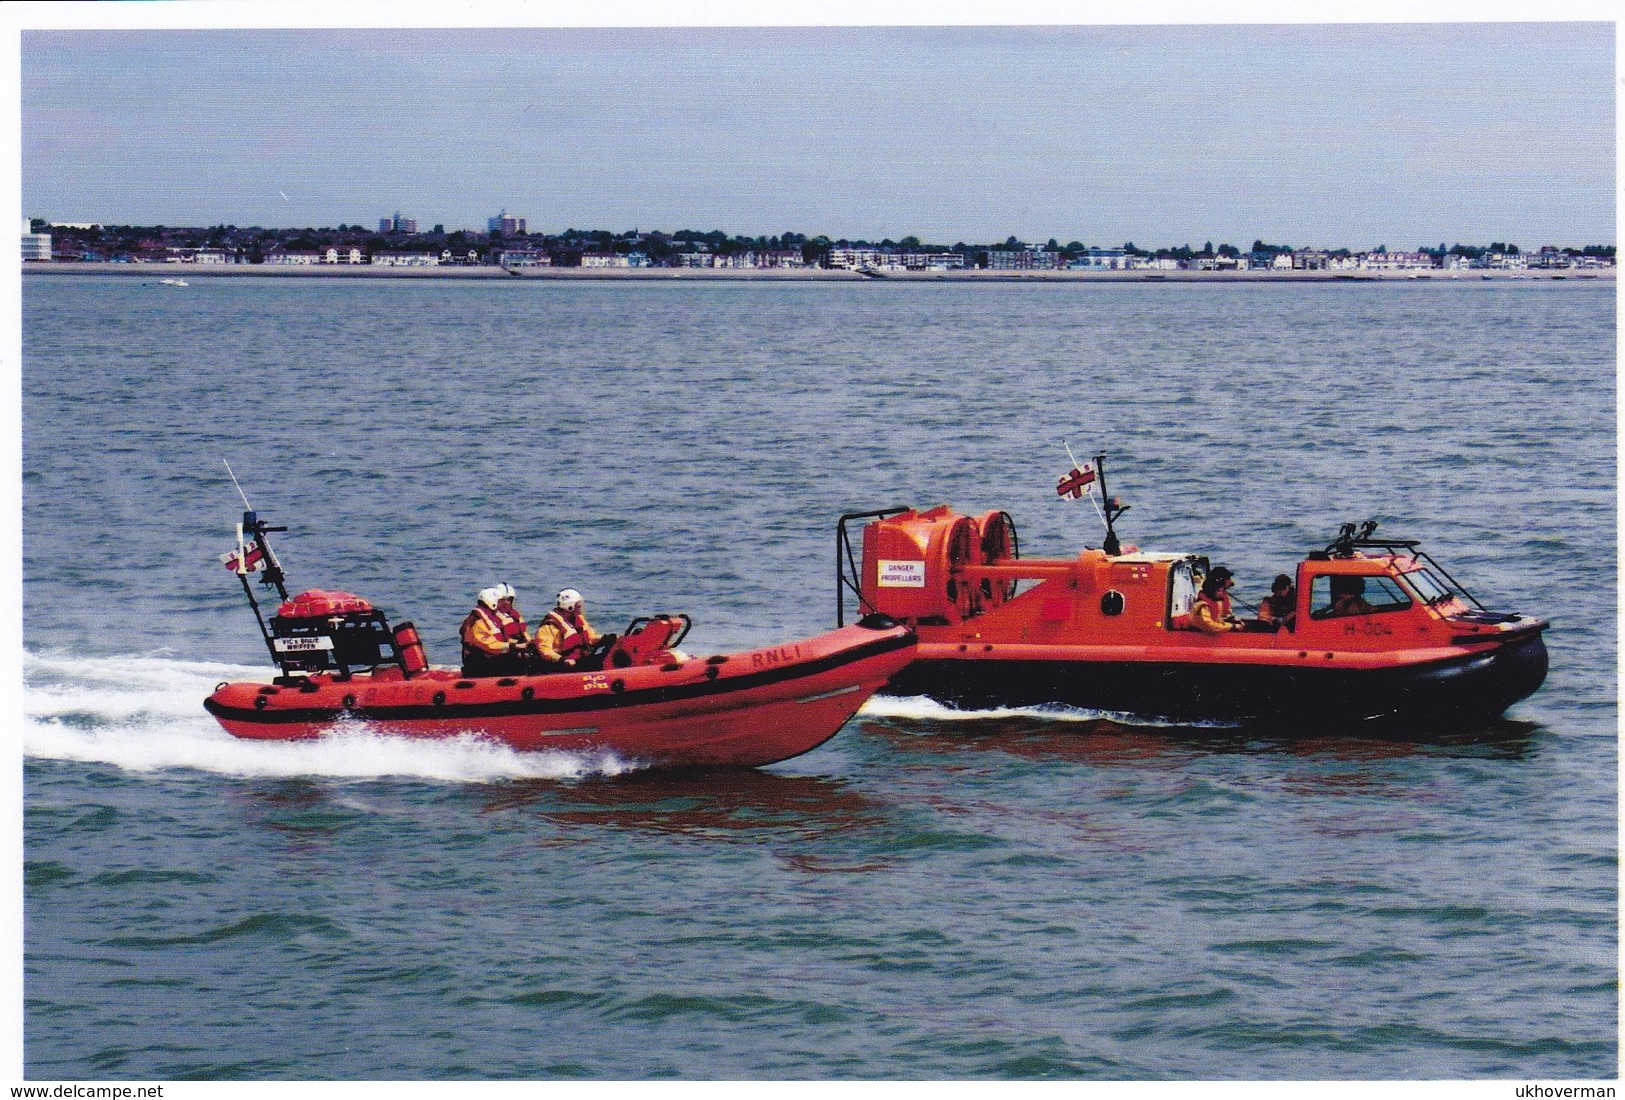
1333,597
1181,591
1428,588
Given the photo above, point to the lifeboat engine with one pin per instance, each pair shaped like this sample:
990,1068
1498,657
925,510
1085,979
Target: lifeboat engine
914,562
340,634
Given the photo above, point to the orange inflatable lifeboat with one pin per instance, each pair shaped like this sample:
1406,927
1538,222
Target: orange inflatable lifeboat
1377,630
636,696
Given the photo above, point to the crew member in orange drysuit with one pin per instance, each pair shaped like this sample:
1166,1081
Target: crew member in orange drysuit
564,636
1211,612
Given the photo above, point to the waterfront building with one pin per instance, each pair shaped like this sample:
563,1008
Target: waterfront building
405,259
507,225
854,258
780,257
930,261
520,257
178,255
36,246
347,256
294,259
607,259
397,224
1099,259
1396,261
875,259
1023,259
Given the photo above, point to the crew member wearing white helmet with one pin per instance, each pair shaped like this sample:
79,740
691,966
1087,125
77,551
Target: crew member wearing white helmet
487,649
513,623
564,636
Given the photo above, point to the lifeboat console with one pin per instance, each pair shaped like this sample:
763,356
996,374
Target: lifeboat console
1109,629
637,696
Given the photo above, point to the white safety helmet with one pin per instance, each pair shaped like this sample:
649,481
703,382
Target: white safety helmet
507,591
569,600
490,596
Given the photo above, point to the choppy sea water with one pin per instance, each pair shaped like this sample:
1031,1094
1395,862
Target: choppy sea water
998,895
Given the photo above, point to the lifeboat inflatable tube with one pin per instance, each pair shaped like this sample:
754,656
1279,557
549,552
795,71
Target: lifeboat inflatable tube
742,709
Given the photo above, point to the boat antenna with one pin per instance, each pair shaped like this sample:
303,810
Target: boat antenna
1111,545
256,527
246,506
1109,511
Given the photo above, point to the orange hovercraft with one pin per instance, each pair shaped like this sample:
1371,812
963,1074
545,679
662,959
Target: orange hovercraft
636,695
1110,629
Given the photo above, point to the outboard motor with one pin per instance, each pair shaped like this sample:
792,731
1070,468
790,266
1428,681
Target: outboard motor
336,632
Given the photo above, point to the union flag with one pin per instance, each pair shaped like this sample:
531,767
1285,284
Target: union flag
1075,482
251,559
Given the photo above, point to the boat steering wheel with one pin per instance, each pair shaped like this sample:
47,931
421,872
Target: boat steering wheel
593,656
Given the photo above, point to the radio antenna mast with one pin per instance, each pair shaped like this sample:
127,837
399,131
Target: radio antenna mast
247,506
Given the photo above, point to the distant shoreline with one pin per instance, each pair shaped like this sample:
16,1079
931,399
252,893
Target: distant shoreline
155,272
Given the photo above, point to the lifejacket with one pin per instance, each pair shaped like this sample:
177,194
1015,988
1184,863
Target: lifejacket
481,613
572,639
1218,611
513,627
1219,605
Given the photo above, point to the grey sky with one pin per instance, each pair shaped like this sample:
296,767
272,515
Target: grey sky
1348,136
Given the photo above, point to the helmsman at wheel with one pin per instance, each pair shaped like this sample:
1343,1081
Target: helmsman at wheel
564,636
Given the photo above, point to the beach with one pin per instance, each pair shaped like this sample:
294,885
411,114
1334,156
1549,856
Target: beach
154,272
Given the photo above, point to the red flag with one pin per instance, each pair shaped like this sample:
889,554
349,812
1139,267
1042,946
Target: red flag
255,558
1075,481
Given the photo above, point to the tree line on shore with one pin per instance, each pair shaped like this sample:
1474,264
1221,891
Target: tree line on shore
254,244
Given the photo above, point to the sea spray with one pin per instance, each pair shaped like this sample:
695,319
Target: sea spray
145,713
921,708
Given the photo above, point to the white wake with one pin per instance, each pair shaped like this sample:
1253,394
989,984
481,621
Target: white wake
921,708
145,713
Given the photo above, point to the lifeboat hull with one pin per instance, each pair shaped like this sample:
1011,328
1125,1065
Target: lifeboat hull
738,710
1337,689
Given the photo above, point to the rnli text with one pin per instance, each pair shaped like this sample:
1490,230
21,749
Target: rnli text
769,657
